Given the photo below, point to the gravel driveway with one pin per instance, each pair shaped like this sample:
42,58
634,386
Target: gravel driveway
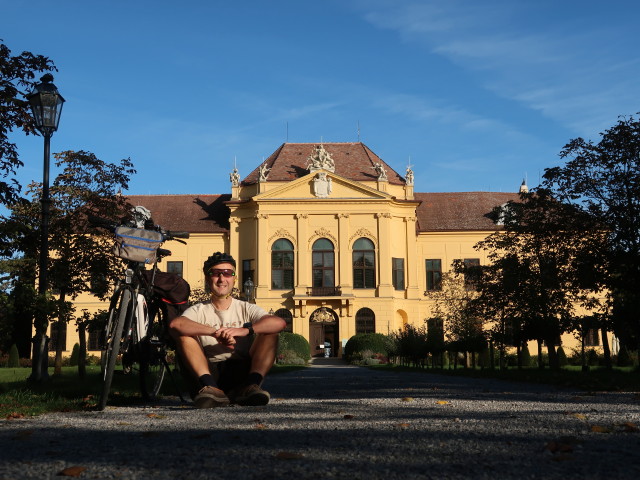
337,421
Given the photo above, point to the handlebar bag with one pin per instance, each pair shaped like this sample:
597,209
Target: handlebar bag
137,244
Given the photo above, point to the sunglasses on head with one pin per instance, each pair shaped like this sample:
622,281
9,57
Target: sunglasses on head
225,272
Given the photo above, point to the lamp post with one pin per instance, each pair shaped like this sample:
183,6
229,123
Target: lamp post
46,106
249,290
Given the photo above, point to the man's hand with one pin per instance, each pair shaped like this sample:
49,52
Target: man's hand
226,336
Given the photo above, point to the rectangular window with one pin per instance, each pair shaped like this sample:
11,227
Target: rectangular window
248,271
397,271
53,336
472,275
175,267
95,339
592,338
434,274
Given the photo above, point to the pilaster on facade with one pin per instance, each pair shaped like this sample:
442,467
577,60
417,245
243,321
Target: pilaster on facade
262,266
382,185
346,283
412,267
234,237
385,288
302,260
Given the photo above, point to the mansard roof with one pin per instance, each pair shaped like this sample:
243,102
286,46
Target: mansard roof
354,161
437,212
187,213
459,211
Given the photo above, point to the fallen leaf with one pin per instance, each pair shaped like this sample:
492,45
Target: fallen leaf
601,429
260,426
288,455
348,417
14,415
403,425
155,415
629,427
579,416
443,402
407,399
71,471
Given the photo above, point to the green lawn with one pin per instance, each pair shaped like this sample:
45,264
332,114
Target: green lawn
19,397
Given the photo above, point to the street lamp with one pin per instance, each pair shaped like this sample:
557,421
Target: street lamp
46,106
249,290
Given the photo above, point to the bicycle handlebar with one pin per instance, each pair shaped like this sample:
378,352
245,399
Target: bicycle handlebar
111,225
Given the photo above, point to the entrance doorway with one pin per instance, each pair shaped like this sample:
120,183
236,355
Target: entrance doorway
323,333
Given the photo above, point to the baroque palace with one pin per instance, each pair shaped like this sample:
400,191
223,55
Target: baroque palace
335,241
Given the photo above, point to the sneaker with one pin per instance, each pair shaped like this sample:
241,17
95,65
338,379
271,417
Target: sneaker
211,397
251,395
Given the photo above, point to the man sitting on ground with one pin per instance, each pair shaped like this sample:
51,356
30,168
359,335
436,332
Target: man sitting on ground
214,341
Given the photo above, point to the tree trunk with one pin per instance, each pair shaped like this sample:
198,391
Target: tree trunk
606,349
82,353
62,336
540,360
554,363
583,353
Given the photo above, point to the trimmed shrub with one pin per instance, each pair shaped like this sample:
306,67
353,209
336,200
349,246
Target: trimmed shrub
375,342
14,357
592,358
563,361
292,346
75,354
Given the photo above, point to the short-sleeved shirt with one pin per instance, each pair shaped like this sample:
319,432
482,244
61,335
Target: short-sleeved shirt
238,313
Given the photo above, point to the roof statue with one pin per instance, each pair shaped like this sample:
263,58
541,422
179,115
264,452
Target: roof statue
234,177
320,159
382,173
264,172
409,176
322,185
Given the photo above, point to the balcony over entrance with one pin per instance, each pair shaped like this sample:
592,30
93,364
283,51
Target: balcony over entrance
324,291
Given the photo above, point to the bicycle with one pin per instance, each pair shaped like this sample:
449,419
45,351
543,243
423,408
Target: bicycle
136,329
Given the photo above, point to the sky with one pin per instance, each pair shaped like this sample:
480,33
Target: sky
473,95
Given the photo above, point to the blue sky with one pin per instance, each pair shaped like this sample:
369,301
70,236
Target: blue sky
476,95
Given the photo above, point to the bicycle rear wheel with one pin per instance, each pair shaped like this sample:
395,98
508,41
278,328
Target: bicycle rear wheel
153,353
121,308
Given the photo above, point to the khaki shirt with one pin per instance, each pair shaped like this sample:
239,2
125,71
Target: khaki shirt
238,313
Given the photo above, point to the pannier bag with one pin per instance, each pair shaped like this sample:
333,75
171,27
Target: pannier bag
173,290
137,244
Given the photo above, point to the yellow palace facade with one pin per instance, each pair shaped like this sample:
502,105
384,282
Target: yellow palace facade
333,239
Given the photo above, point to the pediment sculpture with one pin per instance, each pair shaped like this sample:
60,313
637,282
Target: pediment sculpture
320,159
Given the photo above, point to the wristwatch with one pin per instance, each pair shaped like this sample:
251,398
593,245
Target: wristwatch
248,326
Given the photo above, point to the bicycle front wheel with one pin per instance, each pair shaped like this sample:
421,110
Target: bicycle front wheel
121,307
153,355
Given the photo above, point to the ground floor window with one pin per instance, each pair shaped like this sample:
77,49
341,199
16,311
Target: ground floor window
285,314
365,321
53,336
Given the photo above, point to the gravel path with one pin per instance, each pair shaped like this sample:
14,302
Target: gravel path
334,421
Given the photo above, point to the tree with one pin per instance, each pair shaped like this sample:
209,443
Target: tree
603,180
536,264
16,80
80,260
453,304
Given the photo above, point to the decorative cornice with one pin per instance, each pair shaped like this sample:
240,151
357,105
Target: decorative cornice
298,216
282,233
383,215
342,215
363,232
323,233
260,216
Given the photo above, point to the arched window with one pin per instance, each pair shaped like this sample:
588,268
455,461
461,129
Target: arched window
364,264
282,265
323,263
285,314
365,321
